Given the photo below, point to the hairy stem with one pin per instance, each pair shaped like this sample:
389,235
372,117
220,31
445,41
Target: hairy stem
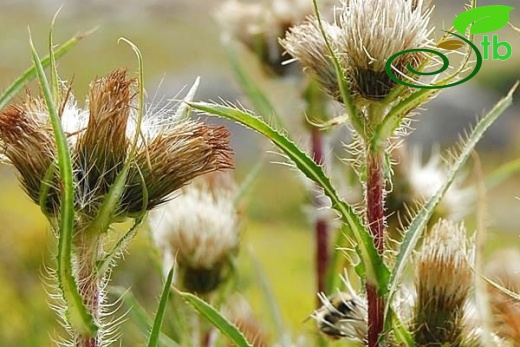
375,190
89,283
321,228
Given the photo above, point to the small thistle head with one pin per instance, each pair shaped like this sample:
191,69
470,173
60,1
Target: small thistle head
443,280
170,152
367,34
259,26
198,231
414,182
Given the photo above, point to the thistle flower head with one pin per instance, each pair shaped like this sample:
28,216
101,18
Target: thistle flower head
443,281
170,152
198,230
370,32
239,312
259,26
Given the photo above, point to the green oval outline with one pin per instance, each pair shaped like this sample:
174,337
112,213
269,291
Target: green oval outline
445,61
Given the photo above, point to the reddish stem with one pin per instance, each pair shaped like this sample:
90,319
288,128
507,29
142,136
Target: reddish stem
88,285
376,222
321,228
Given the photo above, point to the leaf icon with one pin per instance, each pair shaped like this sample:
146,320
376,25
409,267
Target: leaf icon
450,45
484,19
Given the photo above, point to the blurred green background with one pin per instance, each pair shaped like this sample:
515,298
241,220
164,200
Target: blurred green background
180,41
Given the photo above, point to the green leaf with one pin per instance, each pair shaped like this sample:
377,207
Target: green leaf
31,73
77,314
269,298
161,310
141,317
214,317
502,173
377,272
419,222
484,19
337,261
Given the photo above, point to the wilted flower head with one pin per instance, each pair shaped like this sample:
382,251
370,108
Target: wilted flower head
504,269
367,34
198,231
414,182
443,281
170,152
259,26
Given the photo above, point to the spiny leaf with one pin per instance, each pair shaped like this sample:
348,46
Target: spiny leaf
377,272
161,310
214,317
419,222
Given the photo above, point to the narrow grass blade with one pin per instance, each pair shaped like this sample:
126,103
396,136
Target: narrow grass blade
216,319
418,224
248,182
269,298
502,173
53,70
141,317
256,96
161,310
376,270
77,315
31,73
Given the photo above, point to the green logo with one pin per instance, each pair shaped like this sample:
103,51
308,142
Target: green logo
482,20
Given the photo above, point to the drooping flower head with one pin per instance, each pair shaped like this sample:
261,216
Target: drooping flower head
170,152
198,232
367,34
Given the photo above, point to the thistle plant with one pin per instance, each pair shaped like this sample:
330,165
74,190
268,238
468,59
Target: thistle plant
350,58
90,168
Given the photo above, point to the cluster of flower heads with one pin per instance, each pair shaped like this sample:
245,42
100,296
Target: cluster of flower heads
198,232
259,26
439,308
170,151
366,35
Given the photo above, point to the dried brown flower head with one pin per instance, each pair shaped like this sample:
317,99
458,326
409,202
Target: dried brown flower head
171,150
